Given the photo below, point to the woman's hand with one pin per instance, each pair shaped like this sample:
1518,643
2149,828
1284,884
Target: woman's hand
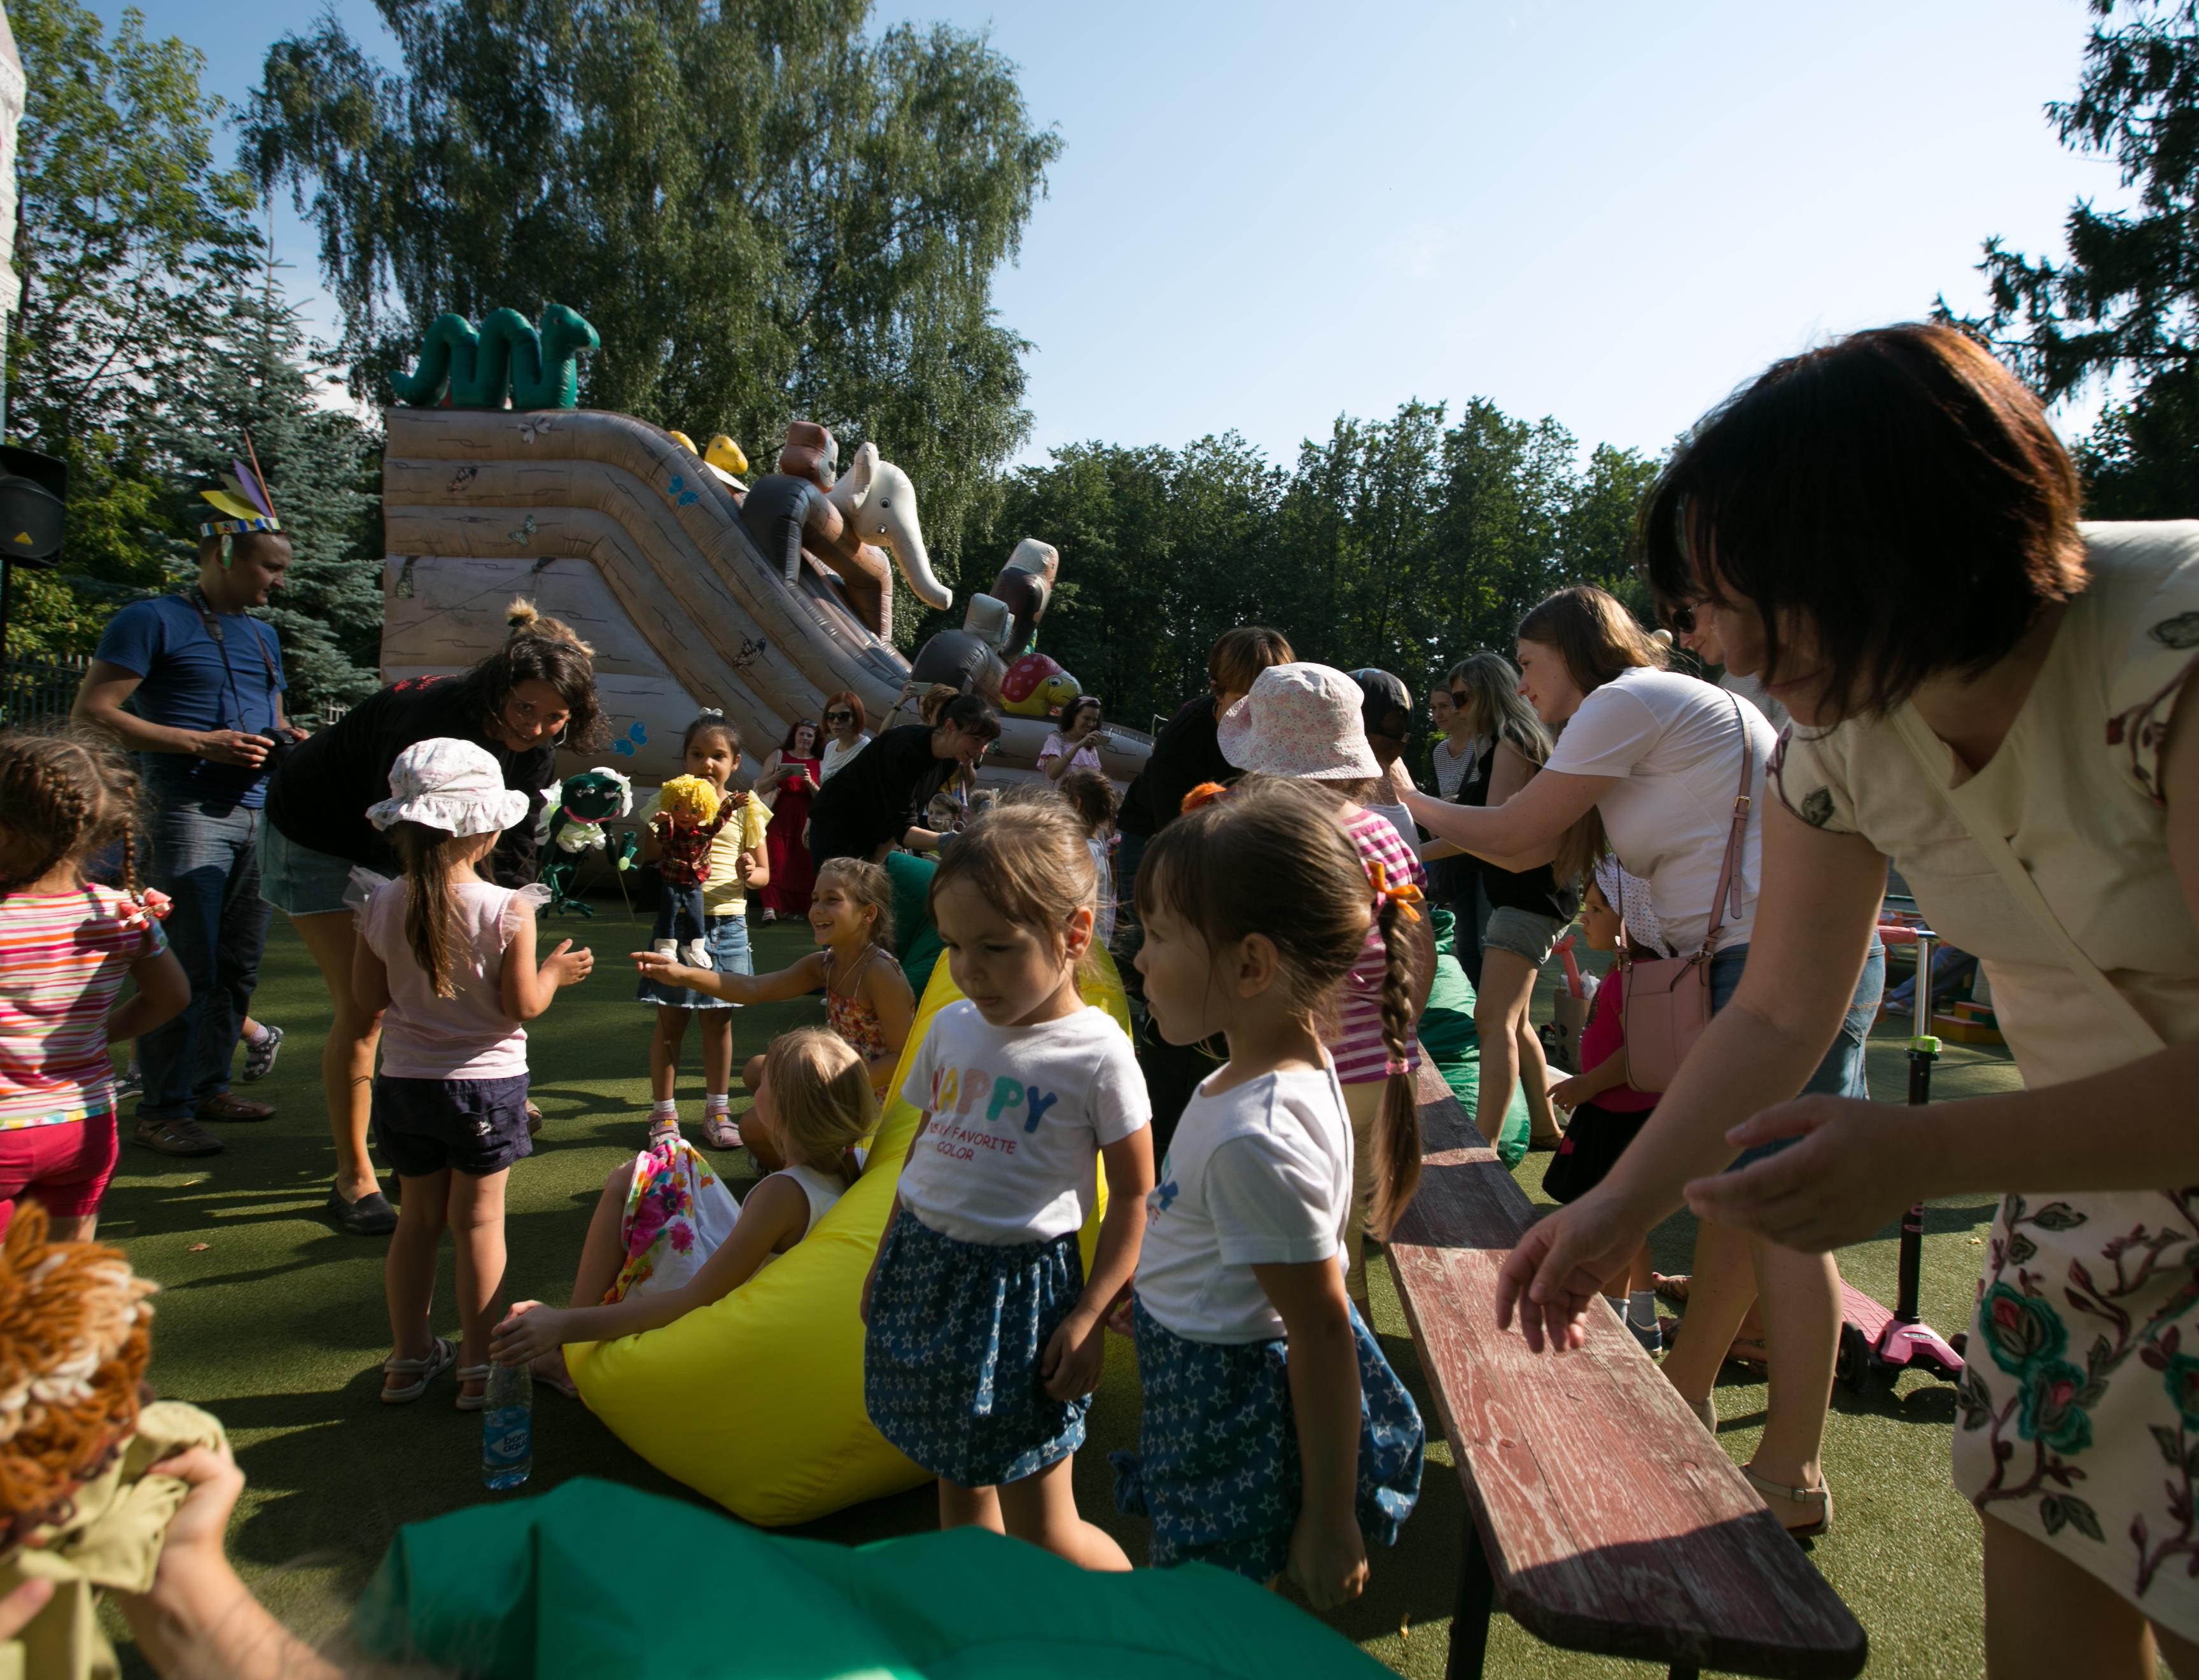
567,966
1328,1560
1559,1268
1858,1167
1070,1365
529,1330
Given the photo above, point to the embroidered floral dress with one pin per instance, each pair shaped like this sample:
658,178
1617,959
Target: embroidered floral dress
2078,1414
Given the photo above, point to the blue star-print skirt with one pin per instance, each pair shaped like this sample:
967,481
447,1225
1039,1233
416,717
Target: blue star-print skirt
951,1362
1217,1467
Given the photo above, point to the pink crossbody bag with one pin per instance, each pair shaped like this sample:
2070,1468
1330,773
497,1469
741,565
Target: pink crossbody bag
1668,998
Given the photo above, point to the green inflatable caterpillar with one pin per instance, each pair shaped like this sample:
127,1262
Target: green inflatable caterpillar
507,355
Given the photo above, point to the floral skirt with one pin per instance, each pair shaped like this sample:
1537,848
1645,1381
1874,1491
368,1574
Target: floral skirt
951,1362
678,1211
1217,1467
2078,1414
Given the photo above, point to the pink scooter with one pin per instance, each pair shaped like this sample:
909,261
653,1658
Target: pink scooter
1873,1342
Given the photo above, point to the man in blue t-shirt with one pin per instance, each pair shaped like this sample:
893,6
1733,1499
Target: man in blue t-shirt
205,680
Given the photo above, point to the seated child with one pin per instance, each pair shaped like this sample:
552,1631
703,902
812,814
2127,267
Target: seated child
668,1236
868,1000
1607,1113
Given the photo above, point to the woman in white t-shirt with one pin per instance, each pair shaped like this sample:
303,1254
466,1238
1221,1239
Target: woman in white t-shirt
846,731
1657,758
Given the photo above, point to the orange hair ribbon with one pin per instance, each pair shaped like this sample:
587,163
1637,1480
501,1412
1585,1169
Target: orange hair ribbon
1404,894
1204,794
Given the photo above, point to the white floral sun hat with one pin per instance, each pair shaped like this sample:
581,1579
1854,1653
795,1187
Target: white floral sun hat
1629,895
1300,720
451,784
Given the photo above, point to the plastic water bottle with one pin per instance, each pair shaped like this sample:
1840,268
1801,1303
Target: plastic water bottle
508,1427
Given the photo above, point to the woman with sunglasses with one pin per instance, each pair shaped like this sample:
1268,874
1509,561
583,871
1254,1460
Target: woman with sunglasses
532,695
1698,634
847,733
1461,762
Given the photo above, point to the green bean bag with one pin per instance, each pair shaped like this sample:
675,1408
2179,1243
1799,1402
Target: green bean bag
598,1579
1450,1039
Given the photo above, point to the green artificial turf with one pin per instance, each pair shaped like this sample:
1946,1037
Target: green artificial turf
273,1319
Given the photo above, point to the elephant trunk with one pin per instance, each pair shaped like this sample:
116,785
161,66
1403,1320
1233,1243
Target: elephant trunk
916,566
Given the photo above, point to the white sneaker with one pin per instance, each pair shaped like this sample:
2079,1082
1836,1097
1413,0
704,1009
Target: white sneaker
698,953
666,947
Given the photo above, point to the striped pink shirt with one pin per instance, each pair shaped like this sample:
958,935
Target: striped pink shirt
1357,1049
63,957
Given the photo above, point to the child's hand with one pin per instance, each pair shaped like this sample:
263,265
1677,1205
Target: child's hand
568,966
529,1330
1121,1320
1570,1093
665,971
1070,1365
1327,1563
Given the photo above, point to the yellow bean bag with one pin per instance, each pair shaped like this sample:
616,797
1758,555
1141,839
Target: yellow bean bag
757,1399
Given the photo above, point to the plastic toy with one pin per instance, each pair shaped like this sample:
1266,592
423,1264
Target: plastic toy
575,822
1873,1342
757,1400
1036,686
507,358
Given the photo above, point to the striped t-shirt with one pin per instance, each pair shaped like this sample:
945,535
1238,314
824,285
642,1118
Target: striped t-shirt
1357,1049
63,958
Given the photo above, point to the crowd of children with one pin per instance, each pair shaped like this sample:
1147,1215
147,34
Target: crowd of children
1276,1439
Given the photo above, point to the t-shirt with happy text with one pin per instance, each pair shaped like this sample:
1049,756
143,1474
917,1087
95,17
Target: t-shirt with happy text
1018,1115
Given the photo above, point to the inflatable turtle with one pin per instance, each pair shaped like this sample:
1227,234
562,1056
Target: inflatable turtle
1036,686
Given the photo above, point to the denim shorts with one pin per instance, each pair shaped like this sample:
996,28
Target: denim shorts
1522,933
298,880
1841,1074
478,1126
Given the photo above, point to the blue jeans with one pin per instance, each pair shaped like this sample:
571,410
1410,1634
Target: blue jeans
206,857
1842,1073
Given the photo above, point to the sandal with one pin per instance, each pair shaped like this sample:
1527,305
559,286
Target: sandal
473,1373
181,1136
663,1131
550,1370
533,1121
424,1370
1820,1496
719,1131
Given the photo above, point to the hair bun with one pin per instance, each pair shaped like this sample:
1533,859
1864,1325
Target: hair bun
521,615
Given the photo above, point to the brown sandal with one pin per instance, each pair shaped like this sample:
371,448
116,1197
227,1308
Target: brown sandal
181,1136
1821,1496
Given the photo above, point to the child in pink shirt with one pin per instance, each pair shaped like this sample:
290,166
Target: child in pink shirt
66,947
1607,1112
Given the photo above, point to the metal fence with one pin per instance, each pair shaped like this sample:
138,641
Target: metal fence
34,692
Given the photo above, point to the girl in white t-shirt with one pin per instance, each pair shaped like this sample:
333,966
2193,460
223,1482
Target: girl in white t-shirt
986,1337
668,1237
1274,1434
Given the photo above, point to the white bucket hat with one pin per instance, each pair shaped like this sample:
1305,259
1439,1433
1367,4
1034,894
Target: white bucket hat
1303,721
1629,895
451,784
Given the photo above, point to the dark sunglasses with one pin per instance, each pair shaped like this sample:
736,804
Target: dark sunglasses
1680,621
839,717
1459,698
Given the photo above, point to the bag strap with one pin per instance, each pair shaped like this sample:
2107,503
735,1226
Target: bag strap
1727,899
1931,755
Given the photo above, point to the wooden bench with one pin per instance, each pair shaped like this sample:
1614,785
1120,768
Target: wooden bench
1600,1516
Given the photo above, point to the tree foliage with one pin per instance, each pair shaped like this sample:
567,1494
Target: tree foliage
766,212
149,336
1405,543
2125,299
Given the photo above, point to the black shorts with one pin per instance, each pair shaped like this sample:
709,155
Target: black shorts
1594,1140
478,1126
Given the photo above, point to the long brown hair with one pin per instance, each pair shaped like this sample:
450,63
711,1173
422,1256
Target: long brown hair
72,792
1599,640
868,886
1271,858
1496,706
431,910
540,650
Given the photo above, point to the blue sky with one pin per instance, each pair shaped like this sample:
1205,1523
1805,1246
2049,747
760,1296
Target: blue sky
1266,214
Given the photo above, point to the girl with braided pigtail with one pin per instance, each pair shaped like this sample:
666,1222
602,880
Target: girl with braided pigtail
66,946
1275,1436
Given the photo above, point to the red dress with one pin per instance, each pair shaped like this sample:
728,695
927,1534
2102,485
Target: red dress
792,874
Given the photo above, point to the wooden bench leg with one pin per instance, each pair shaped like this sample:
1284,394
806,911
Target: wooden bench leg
1469,1619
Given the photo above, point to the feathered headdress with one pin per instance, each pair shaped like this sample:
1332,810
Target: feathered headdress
243,501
